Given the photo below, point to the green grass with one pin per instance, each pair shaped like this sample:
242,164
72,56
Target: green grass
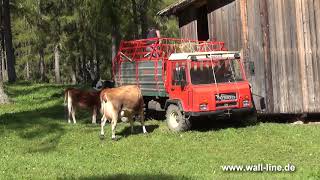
37,143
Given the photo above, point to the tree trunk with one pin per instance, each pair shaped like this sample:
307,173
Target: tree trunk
73,76
135,19
4,74
3,96
8,42
57,63
1,79
3,64
41,65
27,71
96,60
114,30
79,68
143,19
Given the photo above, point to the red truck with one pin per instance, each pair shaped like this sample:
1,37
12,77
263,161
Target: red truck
186,78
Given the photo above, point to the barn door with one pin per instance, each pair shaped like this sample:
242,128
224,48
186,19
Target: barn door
202,23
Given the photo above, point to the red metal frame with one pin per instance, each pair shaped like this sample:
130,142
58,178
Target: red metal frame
162,48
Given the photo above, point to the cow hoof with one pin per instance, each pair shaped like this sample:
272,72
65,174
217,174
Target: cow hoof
115,139
101,136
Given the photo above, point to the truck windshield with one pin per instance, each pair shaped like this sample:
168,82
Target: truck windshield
221,71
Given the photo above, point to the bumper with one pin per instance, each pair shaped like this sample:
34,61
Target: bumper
222,112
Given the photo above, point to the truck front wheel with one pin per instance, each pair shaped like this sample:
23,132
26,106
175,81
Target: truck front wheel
176,120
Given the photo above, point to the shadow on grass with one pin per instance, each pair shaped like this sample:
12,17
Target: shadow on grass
136,130
16,92
134,177
204,124
42,126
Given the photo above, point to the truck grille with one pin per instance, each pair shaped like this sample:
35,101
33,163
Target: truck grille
227,104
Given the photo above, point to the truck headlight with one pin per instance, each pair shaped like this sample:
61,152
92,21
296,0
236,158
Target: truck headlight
245,103
203,107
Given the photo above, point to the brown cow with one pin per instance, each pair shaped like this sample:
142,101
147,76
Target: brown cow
121,101
82,99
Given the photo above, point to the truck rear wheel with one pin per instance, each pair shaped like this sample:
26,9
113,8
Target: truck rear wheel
176,120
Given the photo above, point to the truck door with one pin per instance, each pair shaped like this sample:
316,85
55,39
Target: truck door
180,86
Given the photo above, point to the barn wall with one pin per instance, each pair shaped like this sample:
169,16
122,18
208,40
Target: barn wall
287,51
225,24
281,37
188,24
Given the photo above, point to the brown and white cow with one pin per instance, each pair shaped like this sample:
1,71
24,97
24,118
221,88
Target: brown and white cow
77,98
121,101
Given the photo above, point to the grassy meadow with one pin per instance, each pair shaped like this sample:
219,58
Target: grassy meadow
36,142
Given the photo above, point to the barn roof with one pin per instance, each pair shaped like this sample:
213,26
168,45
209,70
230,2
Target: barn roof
180,5
176,7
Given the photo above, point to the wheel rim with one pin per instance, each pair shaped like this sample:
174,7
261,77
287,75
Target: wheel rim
173,119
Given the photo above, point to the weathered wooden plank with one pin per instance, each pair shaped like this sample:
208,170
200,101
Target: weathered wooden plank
281,56
301,54
294,80
238,25
316,6
210,25
273,56
232,26
256,49
262,65
308,56
224,26
266,54
250,30
219,22
287,57
244,28
314,60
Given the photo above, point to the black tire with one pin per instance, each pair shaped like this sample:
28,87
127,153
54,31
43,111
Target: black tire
176,120
250,119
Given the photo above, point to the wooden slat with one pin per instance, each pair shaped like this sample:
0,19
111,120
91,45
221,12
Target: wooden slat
314,60
294,80
316,6
266,54
273,56
308,55
280,56
301,54
244,28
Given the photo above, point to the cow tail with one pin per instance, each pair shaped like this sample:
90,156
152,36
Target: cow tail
65,98
103,106
66,111
142,105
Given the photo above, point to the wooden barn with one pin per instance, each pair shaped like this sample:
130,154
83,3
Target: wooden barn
279,39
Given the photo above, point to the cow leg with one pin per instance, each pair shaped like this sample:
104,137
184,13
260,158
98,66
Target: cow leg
131,123
69,112
103,123
69,116
94,115
142,121
114,124
74,114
